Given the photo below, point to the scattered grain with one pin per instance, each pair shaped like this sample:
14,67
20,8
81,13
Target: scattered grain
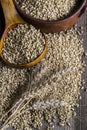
12,81
55,83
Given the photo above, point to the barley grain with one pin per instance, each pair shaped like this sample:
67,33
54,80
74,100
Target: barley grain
23,44
47,10
55,83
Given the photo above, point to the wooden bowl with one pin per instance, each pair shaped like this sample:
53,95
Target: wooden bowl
55,25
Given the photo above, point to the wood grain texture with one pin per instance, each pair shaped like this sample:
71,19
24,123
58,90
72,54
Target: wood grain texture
11,15
82,111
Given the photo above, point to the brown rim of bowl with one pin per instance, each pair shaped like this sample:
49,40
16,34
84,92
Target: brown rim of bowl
81,6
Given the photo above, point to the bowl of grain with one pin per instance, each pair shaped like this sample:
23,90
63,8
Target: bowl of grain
51,15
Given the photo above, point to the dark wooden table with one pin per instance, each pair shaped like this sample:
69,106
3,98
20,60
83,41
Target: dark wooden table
81,122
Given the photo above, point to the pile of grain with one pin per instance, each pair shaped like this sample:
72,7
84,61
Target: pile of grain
47,9
23,44
54,85
12,81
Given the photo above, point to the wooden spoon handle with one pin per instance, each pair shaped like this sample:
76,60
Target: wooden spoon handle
11,15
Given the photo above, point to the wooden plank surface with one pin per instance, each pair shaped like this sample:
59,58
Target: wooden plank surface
82,111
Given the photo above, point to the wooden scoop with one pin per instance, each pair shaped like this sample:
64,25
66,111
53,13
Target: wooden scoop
11,20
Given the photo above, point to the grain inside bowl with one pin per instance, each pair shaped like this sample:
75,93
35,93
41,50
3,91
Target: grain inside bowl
23,44
47,9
